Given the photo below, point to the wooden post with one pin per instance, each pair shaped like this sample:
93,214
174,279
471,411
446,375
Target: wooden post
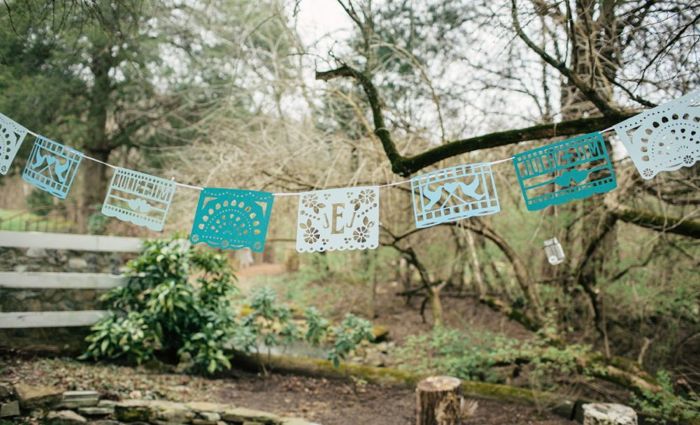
438,401
608,414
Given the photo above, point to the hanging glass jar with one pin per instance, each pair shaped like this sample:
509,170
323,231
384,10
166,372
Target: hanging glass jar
554,251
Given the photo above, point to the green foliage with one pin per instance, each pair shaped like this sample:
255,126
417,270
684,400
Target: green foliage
97,224
348,336
483,356
269,322
162,311
317,326
178,302
666,404
467,355
40,202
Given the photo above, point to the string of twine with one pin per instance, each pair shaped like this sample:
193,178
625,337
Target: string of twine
282,194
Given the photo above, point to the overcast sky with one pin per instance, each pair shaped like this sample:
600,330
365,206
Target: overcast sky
322,21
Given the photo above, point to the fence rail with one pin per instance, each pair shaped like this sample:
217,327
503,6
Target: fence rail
53,280
50,319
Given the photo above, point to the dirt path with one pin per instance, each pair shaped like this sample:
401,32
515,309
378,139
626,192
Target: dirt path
246,276
328,402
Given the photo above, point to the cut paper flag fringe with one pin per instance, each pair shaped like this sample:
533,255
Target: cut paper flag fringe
52,167
11,138
454,193
664,138
139,198
561,172
338,219
232,218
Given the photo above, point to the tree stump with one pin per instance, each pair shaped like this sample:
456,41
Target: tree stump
608,414
438,401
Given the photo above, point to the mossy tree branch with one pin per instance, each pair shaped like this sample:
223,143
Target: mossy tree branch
659,223
407,165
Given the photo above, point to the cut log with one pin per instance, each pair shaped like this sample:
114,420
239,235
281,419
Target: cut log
608,414
438,401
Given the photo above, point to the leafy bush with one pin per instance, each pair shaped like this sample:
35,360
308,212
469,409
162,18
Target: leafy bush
347,336
478,355
666,404
97,224
178,304
273,325
268,322
161,311
40,202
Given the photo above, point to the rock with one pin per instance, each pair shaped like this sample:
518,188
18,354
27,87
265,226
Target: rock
380,333
37,397
241,414
206,418
210,416
106,403
203,406
105,422
608,414
152,411
77,263
131,411
74,399
9,409
198,421
64,417
6,391
297,421
36,253
20,268
96,411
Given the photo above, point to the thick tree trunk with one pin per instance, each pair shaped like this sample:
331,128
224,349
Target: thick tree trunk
97,144
439,401
94,181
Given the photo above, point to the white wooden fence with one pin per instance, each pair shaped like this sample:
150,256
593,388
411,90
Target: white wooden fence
52,280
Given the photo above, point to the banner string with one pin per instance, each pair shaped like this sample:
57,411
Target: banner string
283,194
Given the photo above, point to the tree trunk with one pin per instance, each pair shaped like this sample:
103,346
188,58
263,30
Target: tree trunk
475,266
436,303
439,401
94,182
608,414
97,144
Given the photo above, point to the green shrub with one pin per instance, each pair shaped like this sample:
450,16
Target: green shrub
40,202
268,322
482,356
178,304
347,336
666,404
162,312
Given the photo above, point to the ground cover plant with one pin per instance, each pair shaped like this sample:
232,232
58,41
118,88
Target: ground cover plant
179,305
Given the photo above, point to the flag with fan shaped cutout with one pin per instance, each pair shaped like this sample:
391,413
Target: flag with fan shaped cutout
232,218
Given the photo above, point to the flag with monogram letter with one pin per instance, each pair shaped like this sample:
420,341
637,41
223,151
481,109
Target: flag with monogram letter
338,219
